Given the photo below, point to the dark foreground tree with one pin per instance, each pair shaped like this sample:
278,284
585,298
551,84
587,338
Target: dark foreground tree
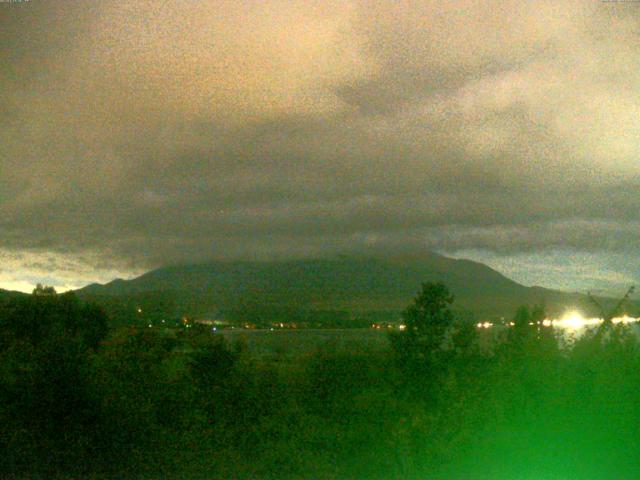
48,408
608,315
426,322
528,335
44,290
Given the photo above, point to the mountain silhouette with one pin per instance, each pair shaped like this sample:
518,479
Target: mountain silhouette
380,283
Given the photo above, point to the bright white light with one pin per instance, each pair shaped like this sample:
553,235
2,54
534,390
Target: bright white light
575,321
624,320
485,325
571,321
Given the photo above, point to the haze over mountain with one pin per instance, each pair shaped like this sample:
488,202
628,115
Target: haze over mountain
352,284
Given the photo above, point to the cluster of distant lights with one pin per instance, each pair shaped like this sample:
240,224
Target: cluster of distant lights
570,321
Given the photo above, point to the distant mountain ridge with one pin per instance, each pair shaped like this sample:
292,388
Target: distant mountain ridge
352,284
4,294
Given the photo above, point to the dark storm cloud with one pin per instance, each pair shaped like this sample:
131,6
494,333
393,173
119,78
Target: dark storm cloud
133,134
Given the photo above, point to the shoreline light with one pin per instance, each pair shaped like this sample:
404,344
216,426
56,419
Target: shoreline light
571,321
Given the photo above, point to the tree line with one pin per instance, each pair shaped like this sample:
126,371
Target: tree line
82,399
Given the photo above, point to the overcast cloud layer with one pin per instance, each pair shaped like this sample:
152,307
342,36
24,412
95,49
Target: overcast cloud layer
134,134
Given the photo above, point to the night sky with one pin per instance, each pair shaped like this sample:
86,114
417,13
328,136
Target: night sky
136,134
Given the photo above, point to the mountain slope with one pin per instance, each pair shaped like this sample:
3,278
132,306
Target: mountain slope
381,283
8,294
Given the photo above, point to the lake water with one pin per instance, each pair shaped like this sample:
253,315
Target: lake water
307,341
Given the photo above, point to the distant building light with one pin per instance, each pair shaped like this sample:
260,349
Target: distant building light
485,325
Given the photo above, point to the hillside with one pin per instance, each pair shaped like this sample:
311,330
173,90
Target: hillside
356,285
8,294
